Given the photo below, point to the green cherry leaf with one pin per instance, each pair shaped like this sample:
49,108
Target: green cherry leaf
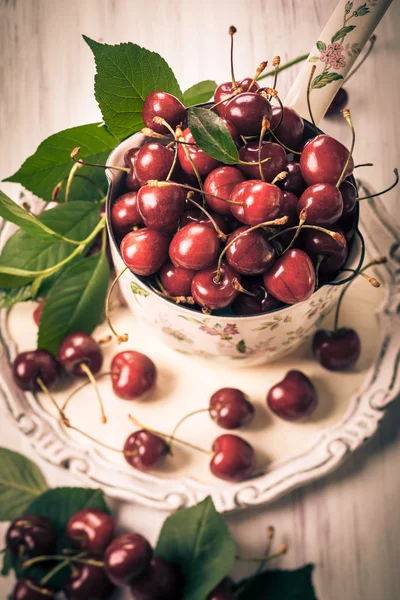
200,92
212,135
21,481
52,163
126,74
11,296
198,541
342,33
282,585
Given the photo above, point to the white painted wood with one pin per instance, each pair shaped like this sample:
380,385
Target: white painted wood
348,523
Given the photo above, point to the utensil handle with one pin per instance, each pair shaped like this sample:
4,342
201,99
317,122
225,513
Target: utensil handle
334,53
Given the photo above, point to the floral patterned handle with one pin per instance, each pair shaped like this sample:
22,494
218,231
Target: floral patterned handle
333,55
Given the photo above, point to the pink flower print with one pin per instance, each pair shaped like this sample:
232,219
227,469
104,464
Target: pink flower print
336,47
338,63
231,329
333,56
210,330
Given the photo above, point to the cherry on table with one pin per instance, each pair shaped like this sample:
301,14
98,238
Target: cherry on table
323,159
246,112
211,295
164,105
293,398
88,581
177,281
249,253
337,350
79,348
161,207
223,591
270,169
91,529
153,161
246,305
31,535
333,251
125,214
293,181
230,408
30,366
221,182
290,131
323,204
131,181
160,581
292,278
234,458
194,247
27,588
145,450
203,163
126,558
132,374
145,251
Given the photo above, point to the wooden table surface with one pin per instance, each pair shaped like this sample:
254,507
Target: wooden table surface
349,523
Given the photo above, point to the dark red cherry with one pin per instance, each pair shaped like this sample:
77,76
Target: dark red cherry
91,529
293,181
77,348
125,214
126,558
289,208
322,160
274,152
250,305
246,112
88,581
249,253
294,397
323,204
37,313
31,535
333,250
239,193
262,202
27,588
197,216
211,295
225,90
203,163
292,278
221,182
336,350
223,591
290,131
339,101
145,450
230,408
176,280
131,181
160,581
161,207
164,105
132,374
234,458
153,161
145,251
28,367
349,195
194,247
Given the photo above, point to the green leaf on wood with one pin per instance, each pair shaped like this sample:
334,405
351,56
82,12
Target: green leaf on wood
342,33
198,541
324,79
200,92
126,74
321,45
279,585
212,135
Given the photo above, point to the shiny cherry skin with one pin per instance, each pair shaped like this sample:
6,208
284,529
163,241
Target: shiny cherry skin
293,398
245,305
221,182
88,581
262,202
29,366
27,588
238,195
194,247
160,581
290,131
333,250
349,195
289,208
37,313
145,251
77,348
91,529
336,350
153,161
31,535
125,214
132,374
246,112
161,207
162,104
144,450
292,278
126,558
223,591
293,181
322,160
339,101
211,295
323,203
234,459
176,280
131,181
197,216
225,90
276,163
230,408
203,163
249,253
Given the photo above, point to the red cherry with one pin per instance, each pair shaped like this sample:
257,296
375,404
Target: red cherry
161,207
153,161
336,350
203,163
27,588
349,195
290,131
88,581
234,458
323,204
294,397
230,408
131,181
289,208
125,214
246,112
276,163
211,295
28,367
292,278
197,216
194,247
262,202
176,280
225,90
333,250
249,253
322,160
239,194
221,182
126,558
29,536
77,348
293,181
339,101
144,450
132,374
249,305
91,529
223,591
166,106
160,581
145,251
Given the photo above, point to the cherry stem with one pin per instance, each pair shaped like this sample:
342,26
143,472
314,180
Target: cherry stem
93,381
275,95
261,67
302,220
346,115
60,566
179,135
173,163
336,236
280,177
320,258
83,385
396,173
120,338
150,133
252,163
287,65
372,41
164,294
282,550
156,183
282,144
93,439
275,63
364,165
179,423
238,286
76,151
308,97
38,559
372,280
219,232
264,126
46,391
232,31
36,588
238,90
270,537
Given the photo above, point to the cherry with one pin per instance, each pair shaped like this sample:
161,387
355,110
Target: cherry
221,182
289,208
37,313
131,181
91,529
251,253
291,129
250,305
349,196
161,207
164,105
337,350
160,581
153,161
292,278
31,535
294,397
88,581
199,217
332,250
323,204
194,247
125,214
223,591
262,201
80,348
339,101
145,251
127,557
234,458
30,366
225,90
144,450
230,408
323,159
211,295
239,194
176,280
203,163
270,169
27,588
132,374
246,112
293,181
